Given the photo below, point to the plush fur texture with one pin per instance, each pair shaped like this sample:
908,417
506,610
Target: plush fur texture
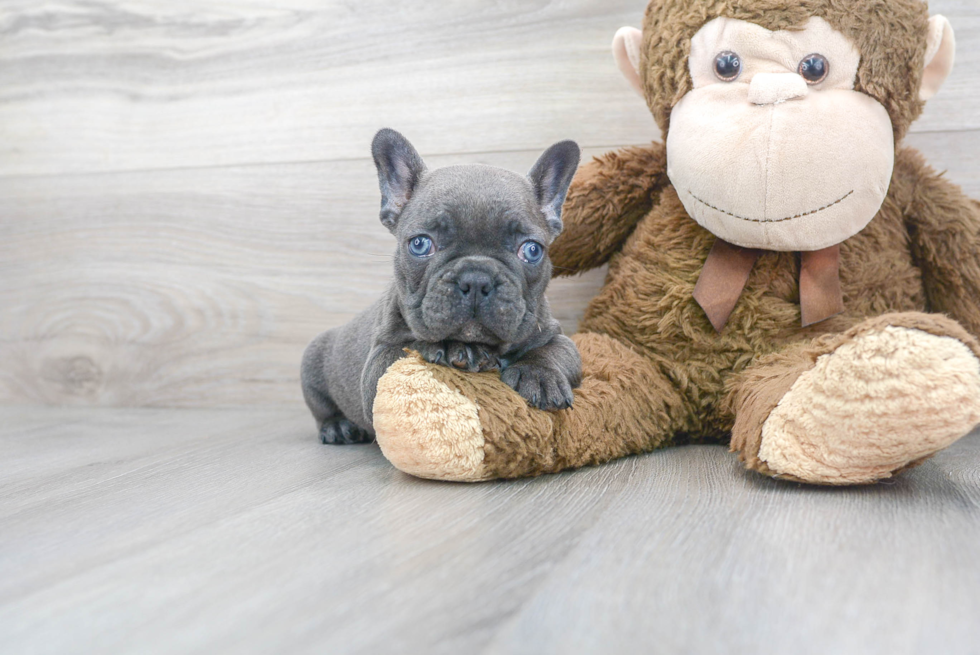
448,449
767,161
889,35
883,398
854,377
655,371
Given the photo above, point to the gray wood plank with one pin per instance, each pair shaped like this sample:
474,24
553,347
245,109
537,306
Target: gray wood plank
149,475
148,84
723,561
202,287
258,539
194,288
157,84
265,527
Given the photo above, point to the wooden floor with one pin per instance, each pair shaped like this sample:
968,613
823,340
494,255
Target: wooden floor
186,199
187,192
207,531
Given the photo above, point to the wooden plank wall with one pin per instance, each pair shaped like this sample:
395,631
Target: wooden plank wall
186,196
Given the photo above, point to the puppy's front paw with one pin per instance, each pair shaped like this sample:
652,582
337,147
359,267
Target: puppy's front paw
468,357
544,388
338,431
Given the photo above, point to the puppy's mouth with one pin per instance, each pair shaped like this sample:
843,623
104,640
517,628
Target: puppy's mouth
476,329
476,332
443,317
474,300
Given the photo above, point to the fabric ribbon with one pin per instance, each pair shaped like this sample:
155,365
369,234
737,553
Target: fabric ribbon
727,270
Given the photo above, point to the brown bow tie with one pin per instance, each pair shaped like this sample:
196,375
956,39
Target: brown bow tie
727,270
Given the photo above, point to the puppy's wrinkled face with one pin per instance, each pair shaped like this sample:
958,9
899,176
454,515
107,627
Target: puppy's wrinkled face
472,256
472,259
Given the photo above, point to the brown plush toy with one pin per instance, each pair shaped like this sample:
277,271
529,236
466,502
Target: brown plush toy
782,273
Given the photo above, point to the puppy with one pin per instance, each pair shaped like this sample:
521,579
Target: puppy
471,269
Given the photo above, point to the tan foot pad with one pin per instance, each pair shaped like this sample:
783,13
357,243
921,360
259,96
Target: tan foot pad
426,428
877,404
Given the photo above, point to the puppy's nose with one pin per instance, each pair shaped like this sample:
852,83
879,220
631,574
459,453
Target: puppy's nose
475,286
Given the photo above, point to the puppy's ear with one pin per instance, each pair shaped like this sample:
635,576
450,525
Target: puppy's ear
399,170
550,177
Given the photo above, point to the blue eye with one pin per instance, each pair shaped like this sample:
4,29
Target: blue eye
421,246
531,251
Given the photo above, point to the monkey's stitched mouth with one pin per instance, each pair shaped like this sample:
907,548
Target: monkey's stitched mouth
778,220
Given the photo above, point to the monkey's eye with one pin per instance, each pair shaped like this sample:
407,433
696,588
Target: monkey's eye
727,66
531,251
421,246
814,68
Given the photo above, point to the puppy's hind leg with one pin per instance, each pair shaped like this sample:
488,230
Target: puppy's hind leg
339,431
334,427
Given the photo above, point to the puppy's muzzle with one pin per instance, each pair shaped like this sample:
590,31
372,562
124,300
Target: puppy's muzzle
475,288
475,300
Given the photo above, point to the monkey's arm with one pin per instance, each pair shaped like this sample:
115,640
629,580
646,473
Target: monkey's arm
944,226
607,198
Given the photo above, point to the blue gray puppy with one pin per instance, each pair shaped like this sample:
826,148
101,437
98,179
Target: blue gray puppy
471,268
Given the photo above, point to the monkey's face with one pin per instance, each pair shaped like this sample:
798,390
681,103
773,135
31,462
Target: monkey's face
773,148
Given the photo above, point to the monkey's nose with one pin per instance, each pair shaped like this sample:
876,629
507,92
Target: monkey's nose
773,88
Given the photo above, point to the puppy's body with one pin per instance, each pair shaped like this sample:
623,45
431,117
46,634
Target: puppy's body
471,269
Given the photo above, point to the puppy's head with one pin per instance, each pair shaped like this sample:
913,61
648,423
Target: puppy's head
472,258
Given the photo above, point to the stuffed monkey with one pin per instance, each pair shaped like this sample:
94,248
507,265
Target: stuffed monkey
783,275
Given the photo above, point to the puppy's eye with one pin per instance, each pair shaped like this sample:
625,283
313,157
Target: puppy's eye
531,251
421,246
727,66
814,68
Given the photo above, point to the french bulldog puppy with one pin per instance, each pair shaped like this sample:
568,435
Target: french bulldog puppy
471,269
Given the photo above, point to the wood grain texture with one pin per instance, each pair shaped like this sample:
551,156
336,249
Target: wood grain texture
141,84
185,200
186,197
146,84
194,288
202,531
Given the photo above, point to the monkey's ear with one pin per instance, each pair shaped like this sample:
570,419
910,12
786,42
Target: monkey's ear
550,177
399,170
940,53
626,50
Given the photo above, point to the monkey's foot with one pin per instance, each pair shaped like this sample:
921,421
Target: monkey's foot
339,431
429,424
883,400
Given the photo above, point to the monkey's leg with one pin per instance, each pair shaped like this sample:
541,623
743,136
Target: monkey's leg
856,407
435,422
